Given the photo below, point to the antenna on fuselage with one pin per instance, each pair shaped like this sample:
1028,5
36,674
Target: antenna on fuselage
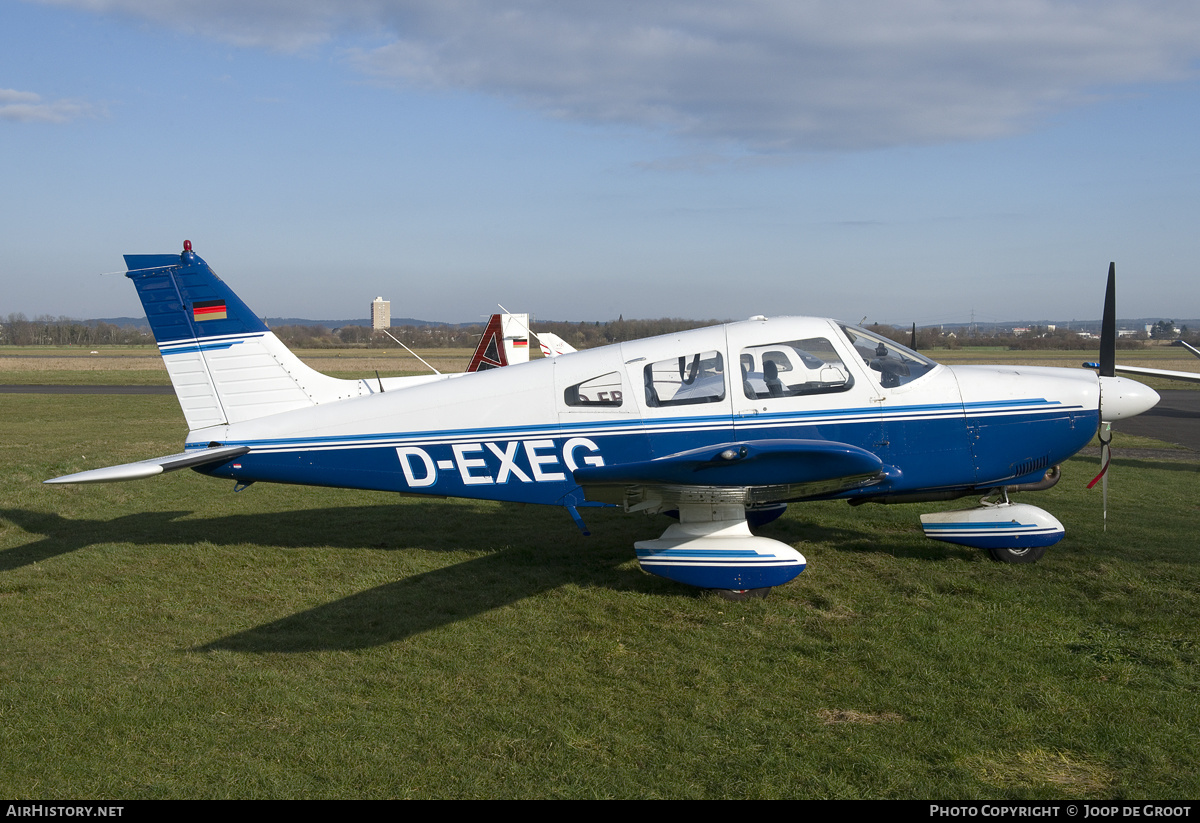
410,351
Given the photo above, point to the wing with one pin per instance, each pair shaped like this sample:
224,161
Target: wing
1190,377
149,468
754,472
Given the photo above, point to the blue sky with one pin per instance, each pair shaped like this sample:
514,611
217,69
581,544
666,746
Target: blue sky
914,161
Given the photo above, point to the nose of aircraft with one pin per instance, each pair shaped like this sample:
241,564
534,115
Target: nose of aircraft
1121,397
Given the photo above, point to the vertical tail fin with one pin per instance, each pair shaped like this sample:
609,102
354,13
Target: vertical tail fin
225,364
489,354
516,338
505,342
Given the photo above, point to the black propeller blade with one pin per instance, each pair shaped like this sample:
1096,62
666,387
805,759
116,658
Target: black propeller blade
1108,327
1108,368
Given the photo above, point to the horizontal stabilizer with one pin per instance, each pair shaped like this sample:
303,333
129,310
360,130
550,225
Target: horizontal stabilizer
149,468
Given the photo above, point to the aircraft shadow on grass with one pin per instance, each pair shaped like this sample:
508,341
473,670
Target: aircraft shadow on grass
405,608
507,571
444,526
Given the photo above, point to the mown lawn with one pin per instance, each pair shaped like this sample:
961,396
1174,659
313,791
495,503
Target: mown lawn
168,638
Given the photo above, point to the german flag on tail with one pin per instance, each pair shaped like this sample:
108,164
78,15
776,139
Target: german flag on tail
208,310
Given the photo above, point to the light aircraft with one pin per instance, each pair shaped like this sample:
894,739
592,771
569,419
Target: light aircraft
721,426
505,342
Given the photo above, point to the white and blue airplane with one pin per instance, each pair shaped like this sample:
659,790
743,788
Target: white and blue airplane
720,426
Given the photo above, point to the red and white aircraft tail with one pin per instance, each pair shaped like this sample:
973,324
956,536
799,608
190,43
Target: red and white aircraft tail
553,345
505,342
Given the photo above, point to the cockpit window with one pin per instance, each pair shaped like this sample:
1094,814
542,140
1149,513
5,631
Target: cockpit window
891,364
797,367
684,380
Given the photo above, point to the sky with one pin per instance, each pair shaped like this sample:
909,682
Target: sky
930,161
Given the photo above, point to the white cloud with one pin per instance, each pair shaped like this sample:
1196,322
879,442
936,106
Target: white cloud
27,107
770,75
281,25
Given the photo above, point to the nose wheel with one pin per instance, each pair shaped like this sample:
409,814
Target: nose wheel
1029,554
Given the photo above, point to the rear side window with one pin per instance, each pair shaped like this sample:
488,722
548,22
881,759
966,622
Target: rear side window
604,390
685,380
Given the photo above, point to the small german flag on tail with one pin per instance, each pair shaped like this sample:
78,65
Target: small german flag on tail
208,310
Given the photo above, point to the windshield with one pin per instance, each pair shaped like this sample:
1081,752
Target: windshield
892,364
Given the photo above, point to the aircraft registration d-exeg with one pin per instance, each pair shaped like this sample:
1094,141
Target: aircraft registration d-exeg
720,427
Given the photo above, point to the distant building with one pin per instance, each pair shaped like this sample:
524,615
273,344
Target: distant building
381,314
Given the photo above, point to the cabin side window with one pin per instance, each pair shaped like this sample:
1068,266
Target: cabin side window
794,368
685,380
604,390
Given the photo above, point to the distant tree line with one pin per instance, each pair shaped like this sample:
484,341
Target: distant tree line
1165,330
1037,338
416,337
17,330
580,335
585,335
590,335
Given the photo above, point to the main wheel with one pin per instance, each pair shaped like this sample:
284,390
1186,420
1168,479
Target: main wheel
757,516
1031,554
741,595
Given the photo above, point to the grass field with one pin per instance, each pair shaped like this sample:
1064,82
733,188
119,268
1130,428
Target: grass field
170,639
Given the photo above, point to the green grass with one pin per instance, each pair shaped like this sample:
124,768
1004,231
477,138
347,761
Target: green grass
170,639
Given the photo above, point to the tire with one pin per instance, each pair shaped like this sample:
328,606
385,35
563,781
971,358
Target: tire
759,516
1032,554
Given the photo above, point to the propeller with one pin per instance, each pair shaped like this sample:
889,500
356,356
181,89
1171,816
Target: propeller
1108,326
1108,368
1120,397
